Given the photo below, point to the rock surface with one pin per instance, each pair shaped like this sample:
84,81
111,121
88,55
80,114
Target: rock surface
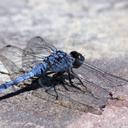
97,28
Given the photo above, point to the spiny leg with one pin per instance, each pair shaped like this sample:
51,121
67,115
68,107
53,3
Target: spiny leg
65,87
76,76
55,76
47,91
60,74
71,83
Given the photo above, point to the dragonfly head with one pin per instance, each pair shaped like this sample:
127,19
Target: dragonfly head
79,59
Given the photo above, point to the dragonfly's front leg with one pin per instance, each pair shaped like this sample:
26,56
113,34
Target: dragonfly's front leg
76,76
70,80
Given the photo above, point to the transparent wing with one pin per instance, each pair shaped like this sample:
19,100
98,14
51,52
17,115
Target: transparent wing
99,82
37,48
17,60
11,65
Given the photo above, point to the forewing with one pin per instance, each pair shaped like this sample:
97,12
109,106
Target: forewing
100,82
16,59
36,49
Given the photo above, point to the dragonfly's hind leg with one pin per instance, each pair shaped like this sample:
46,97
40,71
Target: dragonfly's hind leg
59,75
55,77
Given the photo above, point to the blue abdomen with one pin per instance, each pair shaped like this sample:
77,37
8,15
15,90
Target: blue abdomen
38,70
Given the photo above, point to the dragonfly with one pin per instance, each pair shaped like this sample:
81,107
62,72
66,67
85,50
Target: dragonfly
83,84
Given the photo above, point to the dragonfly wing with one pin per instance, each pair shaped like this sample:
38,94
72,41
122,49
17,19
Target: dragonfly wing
38,45
36,49
12,66
98,81
34,52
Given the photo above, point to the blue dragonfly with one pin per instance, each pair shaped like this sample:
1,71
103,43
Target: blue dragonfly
41,59
57,62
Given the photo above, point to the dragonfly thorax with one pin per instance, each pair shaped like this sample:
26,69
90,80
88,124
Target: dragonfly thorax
59,61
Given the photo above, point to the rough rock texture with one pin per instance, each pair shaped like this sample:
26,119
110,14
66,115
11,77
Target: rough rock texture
97,28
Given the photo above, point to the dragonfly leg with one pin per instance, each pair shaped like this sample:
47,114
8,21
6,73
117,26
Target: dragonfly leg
76,76
56,92
55,76
65,87
59,74
53,86
71,83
